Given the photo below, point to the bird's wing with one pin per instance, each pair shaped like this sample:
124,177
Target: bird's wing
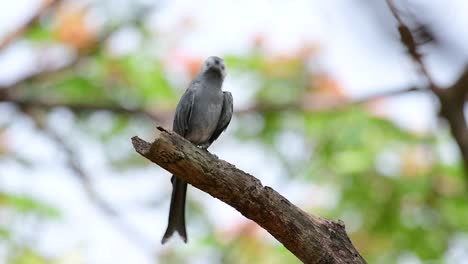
184,111
225,117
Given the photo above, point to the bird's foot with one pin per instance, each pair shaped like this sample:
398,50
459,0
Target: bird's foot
204,146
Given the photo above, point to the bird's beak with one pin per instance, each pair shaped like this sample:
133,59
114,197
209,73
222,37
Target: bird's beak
218,68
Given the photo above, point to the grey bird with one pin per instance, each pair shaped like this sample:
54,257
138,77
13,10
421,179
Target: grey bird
202,114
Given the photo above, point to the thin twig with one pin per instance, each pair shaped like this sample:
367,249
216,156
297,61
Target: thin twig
72,161
452,99
83,107
161,116
411,44
11,37
311,106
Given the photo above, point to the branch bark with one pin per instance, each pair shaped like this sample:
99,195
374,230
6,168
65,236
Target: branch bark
312,239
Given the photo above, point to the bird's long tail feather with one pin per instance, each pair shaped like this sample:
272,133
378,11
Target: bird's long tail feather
176,222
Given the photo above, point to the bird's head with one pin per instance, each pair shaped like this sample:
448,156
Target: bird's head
214,65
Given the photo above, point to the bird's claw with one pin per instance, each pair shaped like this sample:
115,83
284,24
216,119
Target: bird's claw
204,146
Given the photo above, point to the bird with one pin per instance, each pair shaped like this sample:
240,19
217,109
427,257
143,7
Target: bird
202,114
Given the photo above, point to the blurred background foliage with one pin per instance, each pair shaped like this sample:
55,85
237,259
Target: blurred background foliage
400,200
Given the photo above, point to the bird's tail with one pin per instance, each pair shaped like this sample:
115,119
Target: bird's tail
176,220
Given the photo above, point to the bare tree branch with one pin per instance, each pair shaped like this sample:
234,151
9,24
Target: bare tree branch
83,107
452,99
312,106
311,238
113,215
120,226
409,41
162,116
8,39
461,86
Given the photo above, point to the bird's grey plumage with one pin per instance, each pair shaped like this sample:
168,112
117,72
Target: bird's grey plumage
225,118
203,113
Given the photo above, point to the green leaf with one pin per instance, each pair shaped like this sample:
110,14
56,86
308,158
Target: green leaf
24,204
38,33
27,256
